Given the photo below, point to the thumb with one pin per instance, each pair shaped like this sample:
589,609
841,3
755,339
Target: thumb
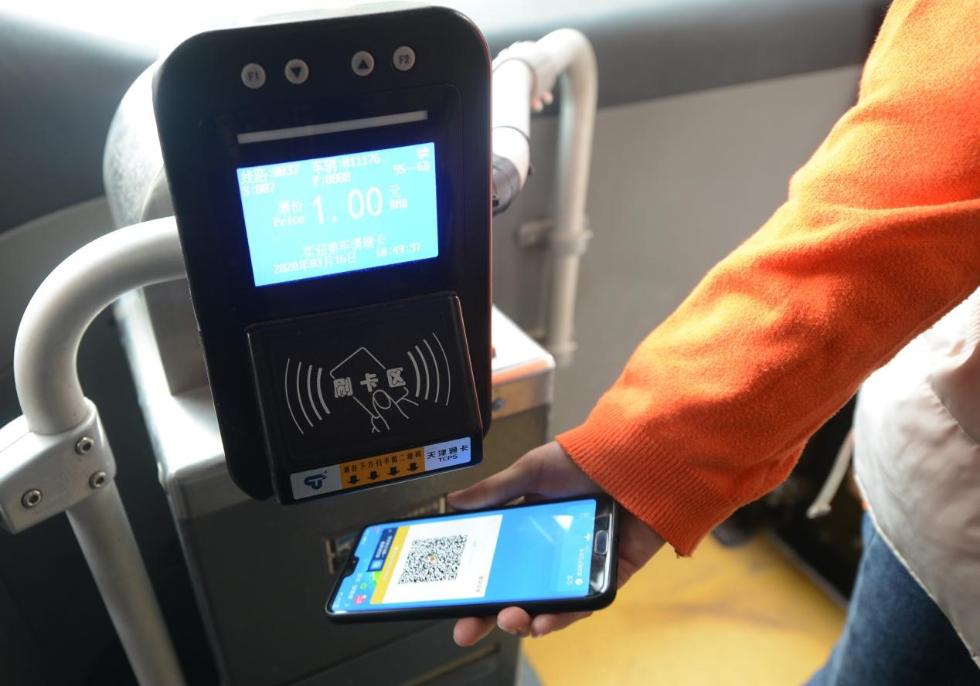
519,479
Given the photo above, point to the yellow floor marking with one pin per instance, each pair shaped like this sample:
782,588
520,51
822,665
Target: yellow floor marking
725,616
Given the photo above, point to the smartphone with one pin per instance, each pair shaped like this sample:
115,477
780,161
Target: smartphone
555,556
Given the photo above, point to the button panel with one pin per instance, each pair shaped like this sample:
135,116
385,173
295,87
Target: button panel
297,71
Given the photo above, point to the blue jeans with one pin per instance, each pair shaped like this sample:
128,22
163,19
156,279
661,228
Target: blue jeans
895,634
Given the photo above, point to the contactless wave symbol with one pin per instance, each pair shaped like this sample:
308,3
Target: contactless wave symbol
433,375
300,385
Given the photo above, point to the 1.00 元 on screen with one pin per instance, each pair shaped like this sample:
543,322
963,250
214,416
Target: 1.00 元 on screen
359,204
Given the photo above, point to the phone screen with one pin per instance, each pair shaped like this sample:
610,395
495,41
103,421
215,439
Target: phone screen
511,554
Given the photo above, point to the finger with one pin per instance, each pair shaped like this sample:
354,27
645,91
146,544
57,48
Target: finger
515,481
470,630
545,624
515,621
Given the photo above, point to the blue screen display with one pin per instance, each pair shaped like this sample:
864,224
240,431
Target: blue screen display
507,555
332,215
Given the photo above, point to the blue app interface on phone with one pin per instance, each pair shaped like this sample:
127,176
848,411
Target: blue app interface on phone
511,554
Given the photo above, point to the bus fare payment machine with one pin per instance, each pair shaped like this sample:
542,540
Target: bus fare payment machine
331,184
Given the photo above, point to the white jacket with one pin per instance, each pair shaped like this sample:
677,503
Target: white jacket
917,458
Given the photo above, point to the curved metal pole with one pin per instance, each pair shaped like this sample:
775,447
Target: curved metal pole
46,349
45,369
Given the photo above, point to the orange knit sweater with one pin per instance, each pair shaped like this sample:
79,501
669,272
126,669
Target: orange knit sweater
879,236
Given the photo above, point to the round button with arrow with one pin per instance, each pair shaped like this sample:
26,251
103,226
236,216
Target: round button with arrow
297,71
362,63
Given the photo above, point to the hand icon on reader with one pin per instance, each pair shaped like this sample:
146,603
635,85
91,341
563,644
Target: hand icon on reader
379,390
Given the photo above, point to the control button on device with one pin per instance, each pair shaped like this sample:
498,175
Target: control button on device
403,58
601,542
253,75
297,71
362,63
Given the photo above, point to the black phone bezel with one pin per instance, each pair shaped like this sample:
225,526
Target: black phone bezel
595,600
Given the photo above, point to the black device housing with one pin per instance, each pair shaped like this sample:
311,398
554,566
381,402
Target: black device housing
602,582
201,105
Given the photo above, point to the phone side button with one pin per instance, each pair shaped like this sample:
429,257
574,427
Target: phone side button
601,542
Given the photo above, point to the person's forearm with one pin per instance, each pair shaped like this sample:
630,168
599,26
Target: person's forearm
879,237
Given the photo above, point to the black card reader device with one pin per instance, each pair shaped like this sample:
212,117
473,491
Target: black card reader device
331,185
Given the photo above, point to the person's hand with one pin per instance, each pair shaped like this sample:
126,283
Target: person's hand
544,473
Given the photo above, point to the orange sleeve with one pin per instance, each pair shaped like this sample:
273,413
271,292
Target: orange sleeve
879,236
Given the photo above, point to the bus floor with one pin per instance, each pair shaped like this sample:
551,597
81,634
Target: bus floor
746,615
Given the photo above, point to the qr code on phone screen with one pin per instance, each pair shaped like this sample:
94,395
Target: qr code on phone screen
433,559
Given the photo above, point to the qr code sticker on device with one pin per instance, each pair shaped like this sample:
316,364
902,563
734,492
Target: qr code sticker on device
433,559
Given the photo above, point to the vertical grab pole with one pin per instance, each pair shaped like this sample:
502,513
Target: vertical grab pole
579,88
106,539
524,77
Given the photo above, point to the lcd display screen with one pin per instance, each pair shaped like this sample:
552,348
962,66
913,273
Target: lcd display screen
505,555
330,215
